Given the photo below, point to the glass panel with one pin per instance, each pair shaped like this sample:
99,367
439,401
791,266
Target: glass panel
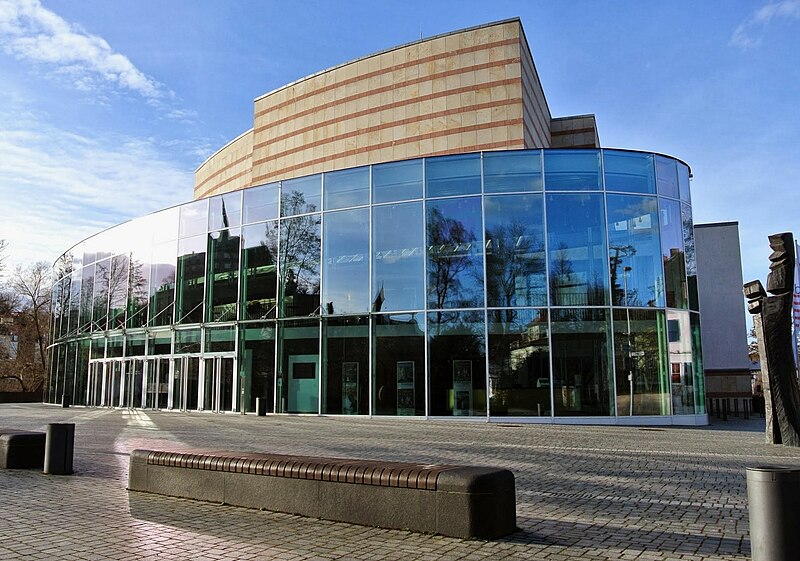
697,363
577,250
505,172
300,196
223,274
453,175
100,295
118,280
81,373
298,377
220,339
260,203
399,357
672,254
299,266
187,341
515,257
681,363
135,343
455,264
457,363
641,365
159,342
634,256
225,211
398,258
345,382
194,218
257,364
630,172
398,181
689,253
115,346
346,188
139,285
667,177
519,363
683,182
191,376
101,244
572,170
98,348
259,271
87,288
191,280
582,377
68,371
346,263
164,225
74,302
162,287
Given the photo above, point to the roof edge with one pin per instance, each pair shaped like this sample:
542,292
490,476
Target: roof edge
251,129
390,49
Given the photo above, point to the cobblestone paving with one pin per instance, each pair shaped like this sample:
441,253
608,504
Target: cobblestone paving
589,493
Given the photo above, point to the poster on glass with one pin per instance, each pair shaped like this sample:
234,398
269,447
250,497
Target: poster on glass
349,388
405,387
462,387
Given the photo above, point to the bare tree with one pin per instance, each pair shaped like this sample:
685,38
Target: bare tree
32,286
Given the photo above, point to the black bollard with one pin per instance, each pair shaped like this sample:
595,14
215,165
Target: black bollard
59,442
772,497
261,406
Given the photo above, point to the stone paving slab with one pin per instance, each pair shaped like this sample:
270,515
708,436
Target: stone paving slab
590,493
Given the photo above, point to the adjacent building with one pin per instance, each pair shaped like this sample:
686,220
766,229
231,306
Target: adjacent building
408,234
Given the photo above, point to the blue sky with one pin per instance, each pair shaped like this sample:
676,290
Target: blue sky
106,108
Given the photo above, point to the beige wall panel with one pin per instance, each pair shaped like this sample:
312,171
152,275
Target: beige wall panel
227,170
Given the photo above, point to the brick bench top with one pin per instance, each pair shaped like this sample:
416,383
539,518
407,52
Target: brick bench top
19,432
363,472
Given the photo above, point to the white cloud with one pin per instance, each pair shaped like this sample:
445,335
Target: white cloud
30,31
58,187
749,33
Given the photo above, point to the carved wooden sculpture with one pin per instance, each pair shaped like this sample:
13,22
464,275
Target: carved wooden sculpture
772,322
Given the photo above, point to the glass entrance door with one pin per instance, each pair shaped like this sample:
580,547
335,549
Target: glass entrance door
133,373
184,393
303,384
94,385
157,383
219,384
112,383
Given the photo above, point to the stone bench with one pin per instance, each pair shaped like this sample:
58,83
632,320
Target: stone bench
21,449
459,501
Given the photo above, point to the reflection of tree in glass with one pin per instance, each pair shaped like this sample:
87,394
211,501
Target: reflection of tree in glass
62,289
622,294
561,275
100,294
449,259
137,294
513,255
299,250
569,288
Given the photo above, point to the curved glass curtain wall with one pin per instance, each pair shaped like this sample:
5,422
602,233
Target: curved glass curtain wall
531,283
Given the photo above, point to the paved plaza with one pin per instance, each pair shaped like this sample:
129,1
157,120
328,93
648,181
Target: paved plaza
583,492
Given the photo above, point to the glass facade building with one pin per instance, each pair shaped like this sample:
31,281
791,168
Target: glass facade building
549,285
